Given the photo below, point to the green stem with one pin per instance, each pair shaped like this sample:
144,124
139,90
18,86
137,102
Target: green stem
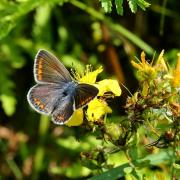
40,150
15,169
162,18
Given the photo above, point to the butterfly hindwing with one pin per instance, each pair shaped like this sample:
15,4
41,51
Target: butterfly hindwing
48,69
43,97
64,110
84,93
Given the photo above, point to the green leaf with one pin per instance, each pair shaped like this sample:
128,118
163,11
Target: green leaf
112,174
119,6
157,158
8,104
106,5
133,5
118,172
143,4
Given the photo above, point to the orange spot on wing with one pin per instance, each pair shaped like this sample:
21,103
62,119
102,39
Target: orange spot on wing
39,77
39,68
39,74
36,101
40,62
39,103
85,101
60,117
42,106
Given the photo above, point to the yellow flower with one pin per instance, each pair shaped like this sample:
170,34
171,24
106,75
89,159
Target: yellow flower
147,70
176,74
144,65
97,108
88,76
108,85
76,119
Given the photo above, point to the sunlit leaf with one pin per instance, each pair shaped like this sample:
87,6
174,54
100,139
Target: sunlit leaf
133,5
119,6
143,4
8,104
106,5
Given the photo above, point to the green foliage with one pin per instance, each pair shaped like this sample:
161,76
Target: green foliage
133,5
138,141
124,169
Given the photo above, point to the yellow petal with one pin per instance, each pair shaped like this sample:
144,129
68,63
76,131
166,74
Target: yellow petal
108,85
143,59
76,119
136,65
90,77
176,79
146,70
160,64
96,109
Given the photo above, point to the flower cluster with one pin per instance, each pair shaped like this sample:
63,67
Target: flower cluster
152,74
157,102
98,107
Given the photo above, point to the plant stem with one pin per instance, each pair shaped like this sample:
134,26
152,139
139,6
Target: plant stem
40,150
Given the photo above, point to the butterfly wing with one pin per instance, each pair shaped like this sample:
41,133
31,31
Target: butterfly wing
64,110
48,69
84,93
43,97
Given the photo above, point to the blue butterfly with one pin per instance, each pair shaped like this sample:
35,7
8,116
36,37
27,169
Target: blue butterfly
56,93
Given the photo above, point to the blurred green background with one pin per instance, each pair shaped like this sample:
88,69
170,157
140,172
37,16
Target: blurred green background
79,33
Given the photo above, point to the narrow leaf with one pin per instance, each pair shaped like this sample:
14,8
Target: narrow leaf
119,6
133,5
143,4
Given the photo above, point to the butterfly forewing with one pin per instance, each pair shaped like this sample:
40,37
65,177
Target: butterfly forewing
48,69
84,93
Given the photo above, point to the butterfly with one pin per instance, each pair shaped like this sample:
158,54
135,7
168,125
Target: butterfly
56,93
